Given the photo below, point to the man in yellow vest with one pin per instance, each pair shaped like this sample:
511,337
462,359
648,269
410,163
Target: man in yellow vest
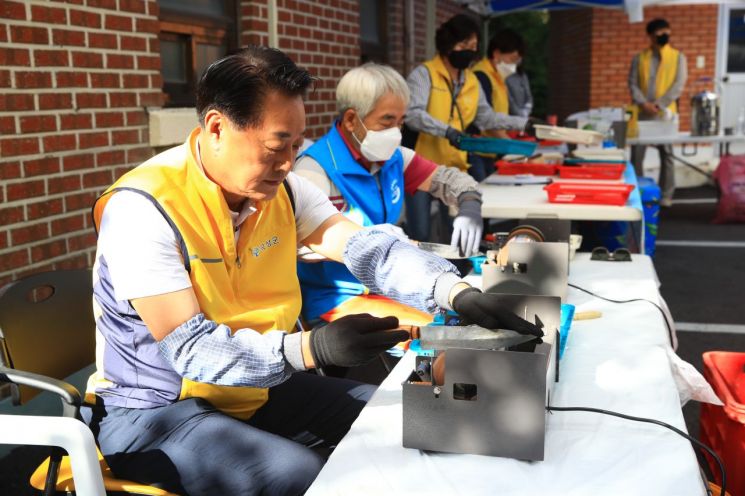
503,55
657,77
199,385
446,99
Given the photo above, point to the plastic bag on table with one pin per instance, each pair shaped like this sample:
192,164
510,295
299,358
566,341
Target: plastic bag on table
691,384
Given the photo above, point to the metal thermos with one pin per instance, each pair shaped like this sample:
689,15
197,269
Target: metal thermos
705,114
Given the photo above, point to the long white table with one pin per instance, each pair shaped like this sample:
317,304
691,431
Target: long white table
618,362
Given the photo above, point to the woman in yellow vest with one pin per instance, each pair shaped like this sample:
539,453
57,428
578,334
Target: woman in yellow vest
656,80
503,55
195,294
445,100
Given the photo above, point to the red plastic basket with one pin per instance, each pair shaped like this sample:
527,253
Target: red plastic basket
589,193
723,428
592,171
509,168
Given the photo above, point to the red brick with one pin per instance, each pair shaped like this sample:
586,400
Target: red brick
136,118
81,242
129,137
68,224
58,143
145,62
132,6
76,121
12,10
27,34
85,19
119,61
15,56
77,162
4,79
14,260
11,215
41,166
118,23
13,147
133,43
29,189
44,208
10,170
78,201
38,123
29,234
46,251
87,59
102,40
151,99
104,80
68,37
112,157
103,4
137,155
48,15
76,262
145,26
156,81
97,178
7,125
55,101
72,80
90,100
51,58
33,79
109,119
3,245
122,99
135,81
61,184
93,140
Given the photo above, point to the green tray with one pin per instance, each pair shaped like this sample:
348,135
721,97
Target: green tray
498,146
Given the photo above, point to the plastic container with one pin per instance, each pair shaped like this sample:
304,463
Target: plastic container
537,169
589,193
650,194
567,314
592,171
723,428
568,135
497,146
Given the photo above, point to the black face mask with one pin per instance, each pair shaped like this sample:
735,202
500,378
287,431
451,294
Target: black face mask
663,39
461,59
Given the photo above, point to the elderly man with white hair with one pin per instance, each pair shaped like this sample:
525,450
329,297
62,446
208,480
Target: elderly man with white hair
364,171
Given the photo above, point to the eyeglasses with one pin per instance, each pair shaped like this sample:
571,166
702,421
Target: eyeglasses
618,255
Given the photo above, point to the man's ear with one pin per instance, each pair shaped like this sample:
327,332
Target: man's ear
349,120
214,123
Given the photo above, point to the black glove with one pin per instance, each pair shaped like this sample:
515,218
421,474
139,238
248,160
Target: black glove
454,136
482,309
354,340
530,125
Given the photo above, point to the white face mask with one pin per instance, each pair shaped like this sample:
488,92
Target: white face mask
506,70
378,146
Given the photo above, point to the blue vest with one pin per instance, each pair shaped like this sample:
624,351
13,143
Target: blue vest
325,285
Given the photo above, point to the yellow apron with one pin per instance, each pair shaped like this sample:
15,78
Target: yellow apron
666,72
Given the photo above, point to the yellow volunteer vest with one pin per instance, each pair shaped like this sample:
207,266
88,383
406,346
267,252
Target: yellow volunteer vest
458,116
253,284
666,71
499,98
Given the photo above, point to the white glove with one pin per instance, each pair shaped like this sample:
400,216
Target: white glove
393,230
467,227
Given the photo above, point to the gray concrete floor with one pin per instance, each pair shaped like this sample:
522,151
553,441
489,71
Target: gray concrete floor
702,285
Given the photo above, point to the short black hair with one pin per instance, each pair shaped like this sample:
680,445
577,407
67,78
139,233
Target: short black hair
237,84
456,29
506,41
656,24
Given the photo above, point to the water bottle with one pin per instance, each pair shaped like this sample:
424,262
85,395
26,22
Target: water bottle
740,127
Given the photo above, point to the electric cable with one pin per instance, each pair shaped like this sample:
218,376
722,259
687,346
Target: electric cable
693,440
664,316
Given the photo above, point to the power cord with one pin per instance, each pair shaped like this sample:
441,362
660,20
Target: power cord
664,316
695,441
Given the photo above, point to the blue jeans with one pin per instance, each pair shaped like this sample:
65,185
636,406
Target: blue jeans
418,218
191,448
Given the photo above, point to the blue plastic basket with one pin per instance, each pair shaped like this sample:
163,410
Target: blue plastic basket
497,146
567,314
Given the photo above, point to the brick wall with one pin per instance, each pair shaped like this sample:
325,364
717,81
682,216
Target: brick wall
74,80
615,41
591,71
569,61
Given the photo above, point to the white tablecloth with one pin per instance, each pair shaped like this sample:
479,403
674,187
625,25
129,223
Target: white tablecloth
617,362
